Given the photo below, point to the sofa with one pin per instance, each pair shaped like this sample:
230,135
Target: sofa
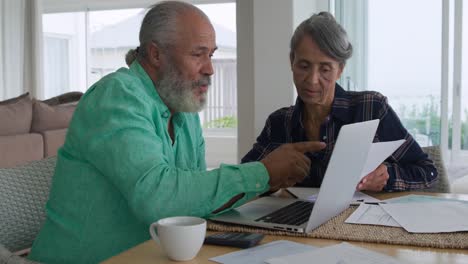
31,129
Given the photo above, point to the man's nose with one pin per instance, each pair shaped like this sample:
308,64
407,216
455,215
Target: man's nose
207,68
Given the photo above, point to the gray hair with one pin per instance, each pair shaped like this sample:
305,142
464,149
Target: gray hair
160,26
330,37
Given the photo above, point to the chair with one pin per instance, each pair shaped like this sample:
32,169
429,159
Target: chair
24,191
442,186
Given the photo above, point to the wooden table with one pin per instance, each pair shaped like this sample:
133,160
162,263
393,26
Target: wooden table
150,252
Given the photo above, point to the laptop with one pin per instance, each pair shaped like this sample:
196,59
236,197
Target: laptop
336,192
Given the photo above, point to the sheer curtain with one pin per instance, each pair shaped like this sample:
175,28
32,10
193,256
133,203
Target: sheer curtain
20,48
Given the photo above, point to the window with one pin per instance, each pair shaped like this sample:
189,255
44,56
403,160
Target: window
100,39
416,59
399,59
82,47
56,53
64,53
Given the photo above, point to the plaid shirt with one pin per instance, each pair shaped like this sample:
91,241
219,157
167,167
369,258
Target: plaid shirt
409,167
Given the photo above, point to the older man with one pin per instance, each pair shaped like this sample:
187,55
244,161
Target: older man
134,151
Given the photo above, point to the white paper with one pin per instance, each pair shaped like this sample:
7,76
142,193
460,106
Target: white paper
369,214
421,198
311,194
258,254
378,153
430,217
343,253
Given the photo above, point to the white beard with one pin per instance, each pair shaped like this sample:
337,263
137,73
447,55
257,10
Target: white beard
178,93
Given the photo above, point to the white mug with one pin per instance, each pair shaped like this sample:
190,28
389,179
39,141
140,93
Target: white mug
181,237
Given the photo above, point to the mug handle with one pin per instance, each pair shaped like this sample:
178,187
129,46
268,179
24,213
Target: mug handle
153,233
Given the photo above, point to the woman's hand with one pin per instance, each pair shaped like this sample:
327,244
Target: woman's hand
374,181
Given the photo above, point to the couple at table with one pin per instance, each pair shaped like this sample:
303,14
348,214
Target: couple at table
134,151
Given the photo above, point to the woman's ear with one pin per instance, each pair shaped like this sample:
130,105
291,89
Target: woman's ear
291,60
340,70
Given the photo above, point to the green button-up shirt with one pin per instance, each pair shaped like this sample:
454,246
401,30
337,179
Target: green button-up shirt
119,171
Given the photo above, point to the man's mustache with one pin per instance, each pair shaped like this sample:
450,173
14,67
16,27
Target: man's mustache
204,81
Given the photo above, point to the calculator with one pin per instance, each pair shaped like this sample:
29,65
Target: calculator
240,240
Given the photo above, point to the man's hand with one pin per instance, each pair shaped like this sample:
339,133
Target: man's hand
374,181
288,165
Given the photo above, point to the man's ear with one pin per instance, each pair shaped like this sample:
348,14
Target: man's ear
154,54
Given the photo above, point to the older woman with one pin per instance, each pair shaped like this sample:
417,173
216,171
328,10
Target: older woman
319,50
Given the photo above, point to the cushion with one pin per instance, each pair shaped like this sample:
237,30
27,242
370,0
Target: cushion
24,191
64,98
20,149
53,140
50,117
16,115
442,185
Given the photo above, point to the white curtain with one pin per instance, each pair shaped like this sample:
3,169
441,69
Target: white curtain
21,48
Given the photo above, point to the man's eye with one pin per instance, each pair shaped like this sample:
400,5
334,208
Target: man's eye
197,54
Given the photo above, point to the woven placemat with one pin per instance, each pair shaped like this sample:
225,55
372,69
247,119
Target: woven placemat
337,229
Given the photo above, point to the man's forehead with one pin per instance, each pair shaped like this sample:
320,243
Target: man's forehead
197,33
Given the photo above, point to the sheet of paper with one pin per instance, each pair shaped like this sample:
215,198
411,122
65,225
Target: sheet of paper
378,153
421,198
370,214
310,194
430,217
343,253
258,254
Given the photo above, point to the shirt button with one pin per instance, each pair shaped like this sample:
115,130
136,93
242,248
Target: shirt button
165,114
257,185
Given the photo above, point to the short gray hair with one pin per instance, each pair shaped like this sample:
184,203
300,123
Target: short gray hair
160,25
331,38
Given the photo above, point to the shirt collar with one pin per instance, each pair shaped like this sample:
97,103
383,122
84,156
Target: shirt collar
148,85
178,118
339,110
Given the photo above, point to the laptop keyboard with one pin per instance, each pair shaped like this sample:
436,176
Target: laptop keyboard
296,213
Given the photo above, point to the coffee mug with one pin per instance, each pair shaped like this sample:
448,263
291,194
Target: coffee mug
181,237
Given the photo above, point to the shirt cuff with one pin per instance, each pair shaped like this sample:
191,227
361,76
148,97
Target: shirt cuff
255,178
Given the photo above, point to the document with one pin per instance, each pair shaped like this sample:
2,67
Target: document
343,253
430,217
311,194
258,254
421,198
378,153
371,214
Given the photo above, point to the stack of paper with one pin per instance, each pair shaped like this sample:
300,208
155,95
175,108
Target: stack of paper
416,214
287,252
258,254
343,253
310,194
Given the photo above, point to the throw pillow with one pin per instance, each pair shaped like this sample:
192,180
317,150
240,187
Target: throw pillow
16,115
48,117
24,191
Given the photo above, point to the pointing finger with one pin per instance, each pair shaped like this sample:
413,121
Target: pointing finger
308,146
